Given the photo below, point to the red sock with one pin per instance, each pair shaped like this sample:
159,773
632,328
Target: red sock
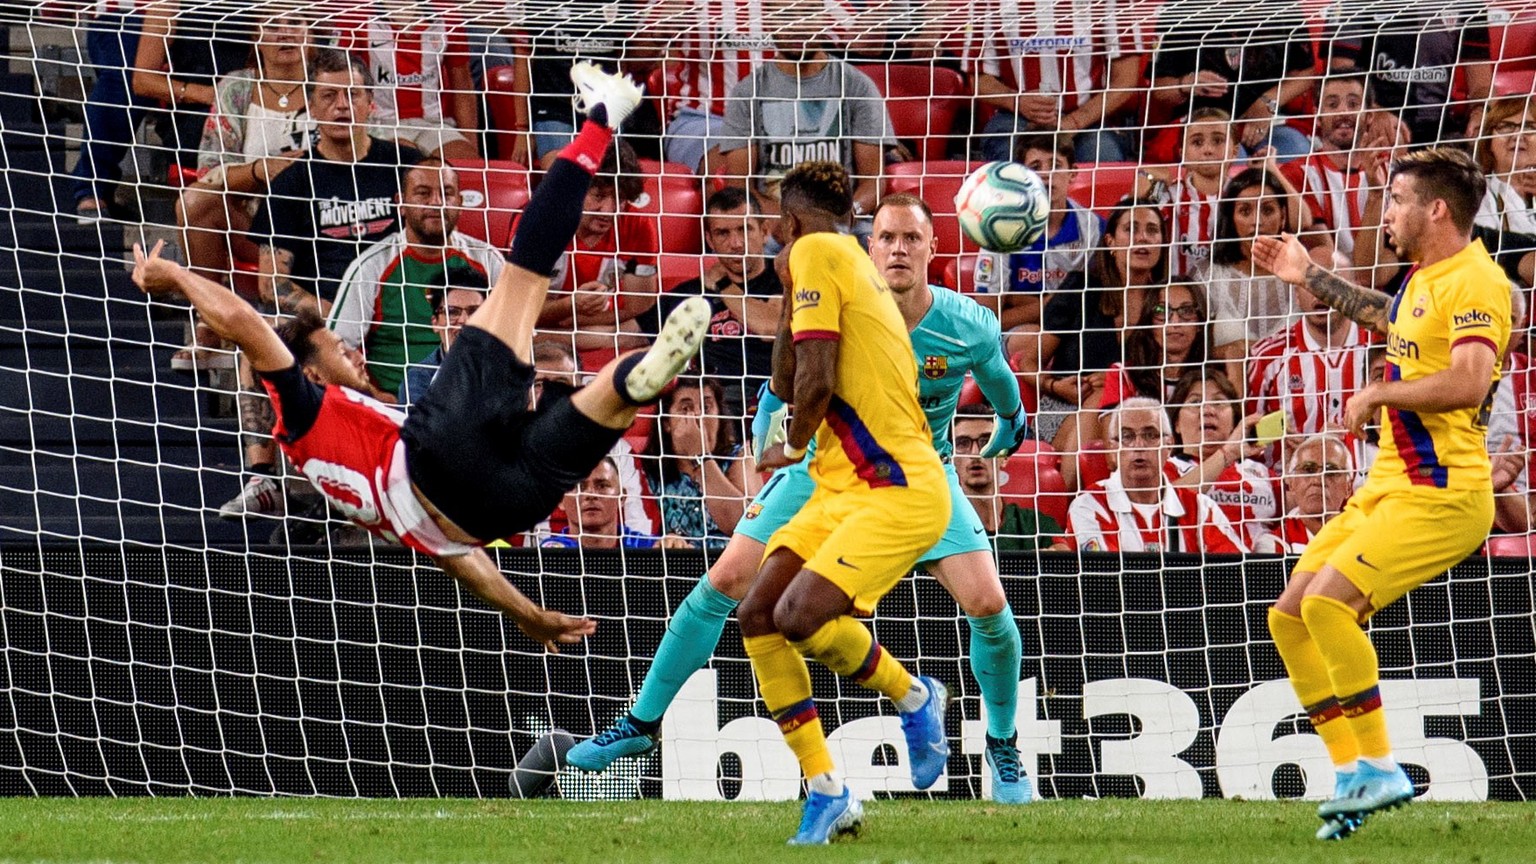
588,147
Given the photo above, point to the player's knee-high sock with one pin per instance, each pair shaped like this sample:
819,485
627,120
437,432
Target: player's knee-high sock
692,635
848,648
553,213
1353,669
995,655
1309,678
785,683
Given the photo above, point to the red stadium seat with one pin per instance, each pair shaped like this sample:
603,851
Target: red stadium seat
1032,479
936,183
1512,81
1512,44
676,269
501,95
674,194
1092,463
1099,187
922,101
494,192
970,393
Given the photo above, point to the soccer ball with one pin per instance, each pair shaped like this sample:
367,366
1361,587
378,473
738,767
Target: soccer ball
1003,206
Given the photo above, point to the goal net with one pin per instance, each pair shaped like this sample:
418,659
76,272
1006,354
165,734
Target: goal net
180,613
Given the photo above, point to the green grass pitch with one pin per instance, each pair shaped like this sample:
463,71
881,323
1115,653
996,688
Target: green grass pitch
231,831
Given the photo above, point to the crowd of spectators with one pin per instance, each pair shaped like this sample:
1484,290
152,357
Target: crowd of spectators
321,160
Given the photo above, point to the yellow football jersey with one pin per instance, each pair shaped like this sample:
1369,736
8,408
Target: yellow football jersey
1465,297
875,433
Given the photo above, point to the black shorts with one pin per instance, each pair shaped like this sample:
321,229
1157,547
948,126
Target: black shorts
485,460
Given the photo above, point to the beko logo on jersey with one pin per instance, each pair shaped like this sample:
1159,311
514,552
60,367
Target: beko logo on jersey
1470,319
1397,346
807,297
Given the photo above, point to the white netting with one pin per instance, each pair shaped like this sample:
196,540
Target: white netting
153,645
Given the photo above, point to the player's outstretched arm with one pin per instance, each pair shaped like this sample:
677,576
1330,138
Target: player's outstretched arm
1287,259
477,573
228,315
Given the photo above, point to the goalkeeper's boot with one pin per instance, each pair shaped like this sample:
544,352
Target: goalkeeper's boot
827,817
927,745
1009,785
621,739
1373,789
618,95
675,345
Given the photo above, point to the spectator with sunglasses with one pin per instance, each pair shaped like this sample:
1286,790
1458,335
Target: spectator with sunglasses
1319,478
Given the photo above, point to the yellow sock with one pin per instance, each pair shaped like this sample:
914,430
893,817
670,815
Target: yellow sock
846,646
1309,678
785,683
1353,669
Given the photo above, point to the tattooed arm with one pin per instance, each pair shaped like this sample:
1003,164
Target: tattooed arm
1285,257
276,286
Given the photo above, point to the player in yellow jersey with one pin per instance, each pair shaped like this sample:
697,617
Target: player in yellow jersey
843,358
1428,502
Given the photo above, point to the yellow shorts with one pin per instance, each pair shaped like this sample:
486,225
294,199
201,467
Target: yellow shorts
1388,543
864,542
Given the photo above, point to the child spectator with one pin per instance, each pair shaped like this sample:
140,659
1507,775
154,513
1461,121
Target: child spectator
1014,284
1206,156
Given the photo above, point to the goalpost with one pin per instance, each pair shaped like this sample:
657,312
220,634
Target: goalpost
149,646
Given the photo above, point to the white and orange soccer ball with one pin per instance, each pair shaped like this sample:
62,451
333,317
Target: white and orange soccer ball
1003,206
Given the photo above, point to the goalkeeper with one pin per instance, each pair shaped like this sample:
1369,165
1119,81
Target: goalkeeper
475,461
951,335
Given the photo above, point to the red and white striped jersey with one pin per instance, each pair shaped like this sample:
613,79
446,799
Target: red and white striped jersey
1191,224
1293,535
1047,47
353,455
1103,519
711,45
1292,372
409,65
1244,491
1514,413
1335,196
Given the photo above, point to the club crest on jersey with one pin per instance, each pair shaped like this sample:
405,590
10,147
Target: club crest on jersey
753,511
1419,304
935,366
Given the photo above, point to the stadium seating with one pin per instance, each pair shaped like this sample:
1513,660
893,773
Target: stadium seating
1514,81
675,269
501,95
1032,479
936,182
1092,463
922,101
1099,187
1512,44
494,192
1511,546
675,195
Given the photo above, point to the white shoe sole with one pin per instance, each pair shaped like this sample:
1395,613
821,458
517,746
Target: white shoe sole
617,93
678,341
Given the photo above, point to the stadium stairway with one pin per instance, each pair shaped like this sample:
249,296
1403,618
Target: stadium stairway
99,439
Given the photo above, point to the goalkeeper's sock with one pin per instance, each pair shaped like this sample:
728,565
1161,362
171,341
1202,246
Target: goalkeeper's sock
1352,668
690,641
785,684
1309,678
995,655
848,648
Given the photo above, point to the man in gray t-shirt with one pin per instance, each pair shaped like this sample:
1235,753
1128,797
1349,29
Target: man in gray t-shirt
803,105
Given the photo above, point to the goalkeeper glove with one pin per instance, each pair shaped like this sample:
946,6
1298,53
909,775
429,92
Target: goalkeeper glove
768,424
1007,435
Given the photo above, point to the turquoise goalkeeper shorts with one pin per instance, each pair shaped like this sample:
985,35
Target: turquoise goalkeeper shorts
790,487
